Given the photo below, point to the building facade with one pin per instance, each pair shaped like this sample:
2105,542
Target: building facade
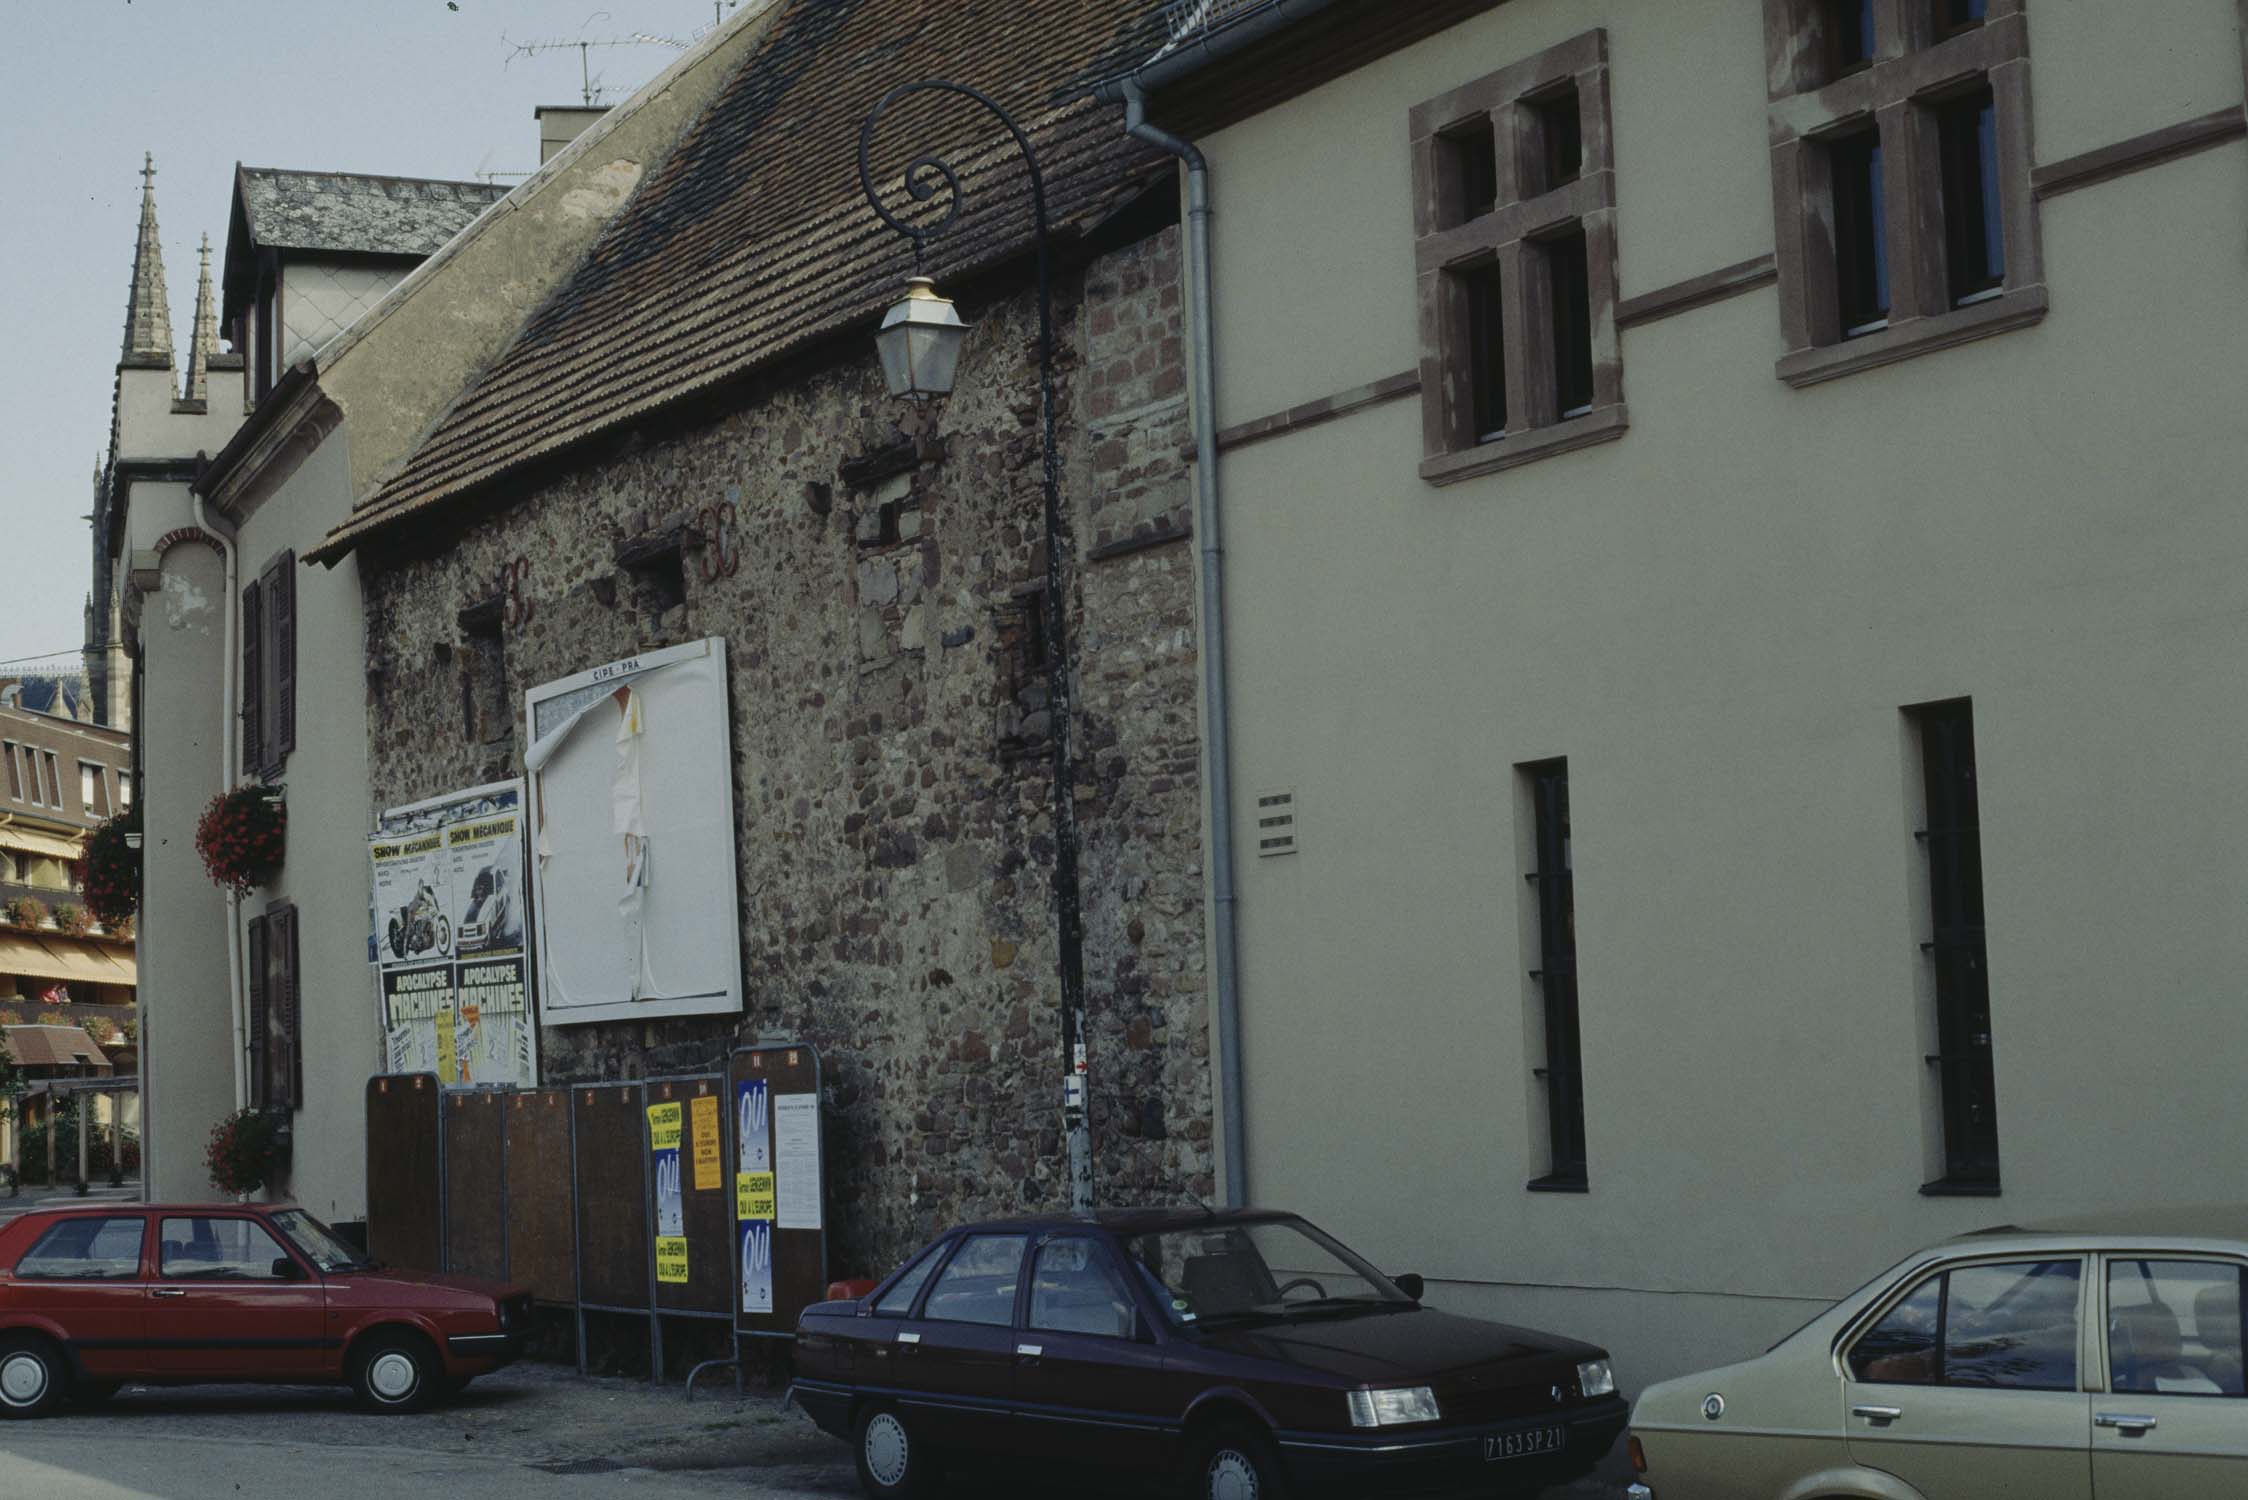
690,441
373,302
1733,614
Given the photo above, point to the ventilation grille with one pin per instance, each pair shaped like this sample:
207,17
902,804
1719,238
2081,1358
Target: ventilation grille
1276,823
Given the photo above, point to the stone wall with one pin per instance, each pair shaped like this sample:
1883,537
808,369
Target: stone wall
892,785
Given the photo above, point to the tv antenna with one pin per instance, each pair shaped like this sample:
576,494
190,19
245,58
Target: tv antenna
590,85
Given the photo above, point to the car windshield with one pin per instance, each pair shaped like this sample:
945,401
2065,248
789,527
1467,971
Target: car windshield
320,1244
1269,1270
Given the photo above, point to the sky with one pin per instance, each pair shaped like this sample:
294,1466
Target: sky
407,88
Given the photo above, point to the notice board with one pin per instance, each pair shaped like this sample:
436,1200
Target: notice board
694,1210
779,1172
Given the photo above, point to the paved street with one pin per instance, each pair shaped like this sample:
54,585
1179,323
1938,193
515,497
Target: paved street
530,1431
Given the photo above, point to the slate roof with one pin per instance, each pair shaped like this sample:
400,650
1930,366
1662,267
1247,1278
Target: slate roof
753,241
346,212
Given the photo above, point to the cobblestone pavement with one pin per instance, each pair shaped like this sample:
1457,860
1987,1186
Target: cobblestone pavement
531,1431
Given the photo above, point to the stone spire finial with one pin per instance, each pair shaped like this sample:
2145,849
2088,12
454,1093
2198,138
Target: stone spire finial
148,315
206,339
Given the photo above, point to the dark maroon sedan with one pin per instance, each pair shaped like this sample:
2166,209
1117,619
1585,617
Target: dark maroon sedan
1243,1355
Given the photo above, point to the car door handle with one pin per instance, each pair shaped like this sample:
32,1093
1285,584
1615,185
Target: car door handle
1878,1416
167,1291
1030,1351
2123,1422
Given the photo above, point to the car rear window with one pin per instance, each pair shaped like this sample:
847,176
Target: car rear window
87,1249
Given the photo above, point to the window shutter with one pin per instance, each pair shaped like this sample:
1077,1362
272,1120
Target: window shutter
292,1007
281,603
252,627
256,967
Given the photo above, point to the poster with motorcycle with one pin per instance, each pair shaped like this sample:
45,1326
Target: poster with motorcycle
448,938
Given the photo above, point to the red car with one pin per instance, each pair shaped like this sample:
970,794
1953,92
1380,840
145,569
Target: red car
177,1294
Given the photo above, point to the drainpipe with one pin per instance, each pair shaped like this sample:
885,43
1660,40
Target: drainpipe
230,725
1204,388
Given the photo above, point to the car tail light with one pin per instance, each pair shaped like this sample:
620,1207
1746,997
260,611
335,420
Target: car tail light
1638,1456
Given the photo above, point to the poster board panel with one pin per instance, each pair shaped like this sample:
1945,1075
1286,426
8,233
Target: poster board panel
630,773
541,1243
476,1184
779,1164
404,1206
448,937
612,1194
706,1205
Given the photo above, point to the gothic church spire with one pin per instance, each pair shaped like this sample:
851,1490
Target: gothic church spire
148,315
206,340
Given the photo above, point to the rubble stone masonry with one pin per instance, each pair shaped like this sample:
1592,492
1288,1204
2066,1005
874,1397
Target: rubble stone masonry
892,783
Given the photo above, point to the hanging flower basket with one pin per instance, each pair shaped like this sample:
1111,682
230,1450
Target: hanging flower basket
112,869
244,1153
241,836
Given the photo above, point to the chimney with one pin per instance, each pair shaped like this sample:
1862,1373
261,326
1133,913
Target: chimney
560,124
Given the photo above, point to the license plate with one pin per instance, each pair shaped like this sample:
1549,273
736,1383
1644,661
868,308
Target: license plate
1525,1443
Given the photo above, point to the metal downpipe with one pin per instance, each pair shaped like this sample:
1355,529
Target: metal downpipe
1216,735
230,722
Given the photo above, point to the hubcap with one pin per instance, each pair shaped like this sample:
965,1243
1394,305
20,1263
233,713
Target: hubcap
885,1450
23,1379
392,1375
1232,1476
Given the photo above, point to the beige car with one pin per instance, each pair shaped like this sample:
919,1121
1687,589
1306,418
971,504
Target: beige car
2098,1359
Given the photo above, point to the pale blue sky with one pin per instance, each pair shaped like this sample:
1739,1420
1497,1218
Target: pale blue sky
413,88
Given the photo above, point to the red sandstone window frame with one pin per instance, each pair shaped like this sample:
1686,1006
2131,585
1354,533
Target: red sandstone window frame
1918,67
1530,221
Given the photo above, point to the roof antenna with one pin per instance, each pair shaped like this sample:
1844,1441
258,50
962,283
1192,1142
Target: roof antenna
591,89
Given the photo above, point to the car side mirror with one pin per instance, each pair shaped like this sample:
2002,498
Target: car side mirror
1411,1284
285,1269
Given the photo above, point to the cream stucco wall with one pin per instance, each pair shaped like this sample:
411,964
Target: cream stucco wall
325,870
1717,620
186,1038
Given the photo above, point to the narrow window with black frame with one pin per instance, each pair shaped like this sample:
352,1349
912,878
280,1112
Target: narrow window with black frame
1556,979
1861,243
1963,1059
1569,281
1974,239
1486,350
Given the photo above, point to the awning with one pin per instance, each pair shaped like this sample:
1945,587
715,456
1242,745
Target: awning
61,958
52,1047
30,841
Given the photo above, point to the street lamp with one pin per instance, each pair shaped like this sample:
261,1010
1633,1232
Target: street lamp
920,343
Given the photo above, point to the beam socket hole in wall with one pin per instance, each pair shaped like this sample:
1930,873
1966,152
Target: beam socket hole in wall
1467,162
1483,313
1277,829
1557,135
657,566
486,713
1974,236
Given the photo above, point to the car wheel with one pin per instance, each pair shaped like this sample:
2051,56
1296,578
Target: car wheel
892,1460
1235,1463
394,1372
32,1376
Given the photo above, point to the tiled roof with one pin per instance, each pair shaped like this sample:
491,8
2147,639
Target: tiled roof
342,211
753,240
